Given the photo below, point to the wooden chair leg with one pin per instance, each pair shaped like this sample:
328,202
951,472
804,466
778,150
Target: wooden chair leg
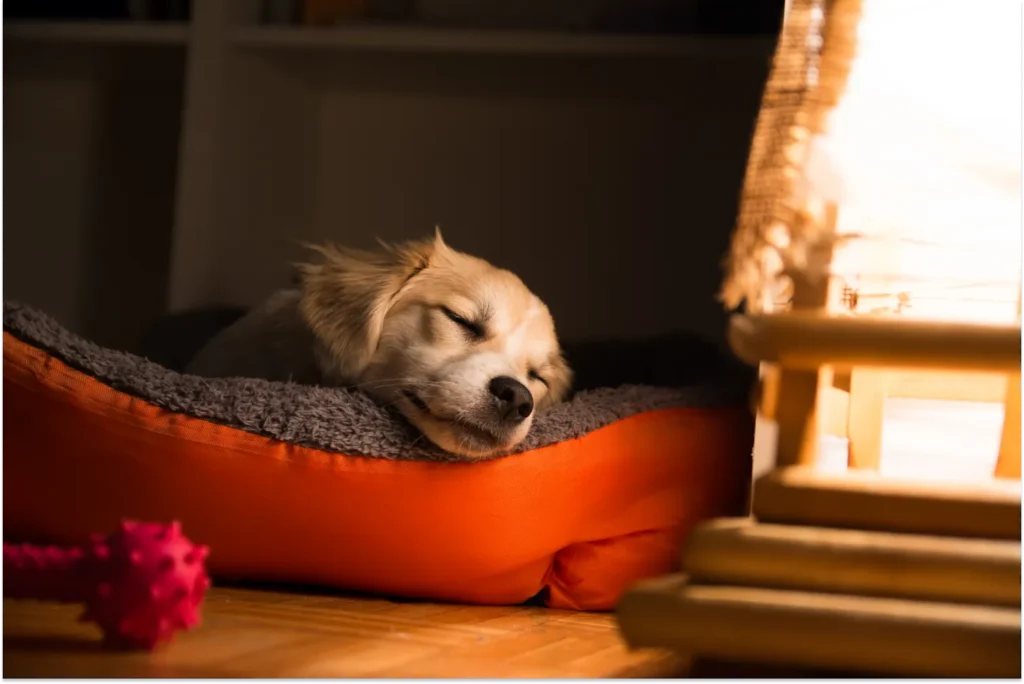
797,397
798,410
865,417
1008,465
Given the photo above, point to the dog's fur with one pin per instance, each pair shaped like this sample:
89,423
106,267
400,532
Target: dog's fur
420,327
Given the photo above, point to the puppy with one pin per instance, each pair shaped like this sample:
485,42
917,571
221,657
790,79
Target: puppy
461,348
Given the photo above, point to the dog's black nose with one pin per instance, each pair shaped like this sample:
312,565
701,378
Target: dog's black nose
513,399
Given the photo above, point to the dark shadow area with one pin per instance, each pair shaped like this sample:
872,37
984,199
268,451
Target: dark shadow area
624,16
56,645
670,360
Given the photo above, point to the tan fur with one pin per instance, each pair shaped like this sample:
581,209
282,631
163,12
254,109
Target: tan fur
377,322
346,297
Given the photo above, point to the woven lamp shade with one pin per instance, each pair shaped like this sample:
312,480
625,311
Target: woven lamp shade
887,157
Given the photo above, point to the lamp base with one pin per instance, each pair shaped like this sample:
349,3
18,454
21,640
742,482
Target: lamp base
841,599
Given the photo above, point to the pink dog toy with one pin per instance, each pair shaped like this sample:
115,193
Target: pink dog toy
140,584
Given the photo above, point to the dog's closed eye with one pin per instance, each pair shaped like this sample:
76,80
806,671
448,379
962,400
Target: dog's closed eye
534,375
471,328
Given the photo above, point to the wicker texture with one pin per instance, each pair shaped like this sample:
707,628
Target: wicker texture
779,231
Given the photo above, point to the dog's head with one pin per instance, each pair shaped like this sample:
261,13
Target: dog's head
463,349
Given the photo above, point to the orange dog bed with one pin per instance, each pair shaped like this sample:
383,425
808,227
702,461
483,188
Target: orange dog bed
313,485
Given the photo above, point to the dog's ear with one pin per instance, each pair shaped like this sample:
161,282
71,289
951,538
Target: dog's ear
348,293
439,244
559,378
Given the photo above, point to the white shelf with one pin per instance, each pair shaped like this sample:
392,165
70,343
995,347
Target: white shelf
442,40
98,32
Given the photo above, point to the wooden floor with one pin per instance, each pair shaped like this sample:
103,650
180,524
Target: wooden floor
258,633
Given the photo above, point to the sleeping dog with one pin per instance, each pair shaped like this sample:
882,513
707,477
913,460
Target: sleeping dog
461,348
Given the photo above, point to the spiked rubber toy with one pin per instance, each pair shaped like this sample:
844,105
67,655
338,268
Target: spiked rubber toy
140,584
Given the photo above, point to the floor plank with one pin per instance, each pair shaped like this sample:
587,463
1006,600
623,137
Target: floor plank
273,633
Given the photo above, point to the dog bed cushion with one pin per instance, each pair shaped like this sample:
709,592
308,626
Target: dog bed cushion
304,484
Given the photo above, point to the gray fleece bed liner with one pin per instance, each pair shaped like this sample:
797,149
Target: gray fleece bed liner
331,419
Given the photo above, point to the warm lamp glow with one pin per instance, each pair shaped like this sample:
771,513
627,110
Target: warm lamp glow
923,157
954,441
887,163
